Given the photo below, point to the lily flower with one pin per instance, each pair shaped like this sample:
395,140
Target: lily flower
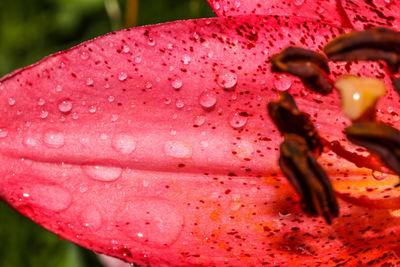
154,144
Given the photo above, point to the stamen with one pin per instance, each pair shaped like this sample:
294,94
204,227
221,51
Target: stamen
308,178
371,44
380,138
311,67
359,96
289,119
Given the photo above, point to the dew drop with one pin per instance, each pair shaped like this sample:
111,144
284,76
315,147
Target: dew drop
43,114
186,59
207,99
59,88
126,49
91,218
217,5
65,106
154,223
177,83
75,116
151,42
102,173
123,143
89,82
227,80
11,101
138,60
283,83
30,142
122,76
84,55
178,149
238,119
111,98
41,102
379,175
179,103
53,139
92,109
199,120
50,197
242,149
167,100
3,133
298,2
148,85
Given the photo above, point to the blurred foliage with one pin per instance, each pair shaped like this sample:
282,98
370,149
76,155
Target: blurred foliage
31,30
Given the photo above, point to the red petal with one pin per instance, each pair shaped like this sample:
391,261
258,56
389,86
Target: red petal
359,14
174,118
326,10
366,14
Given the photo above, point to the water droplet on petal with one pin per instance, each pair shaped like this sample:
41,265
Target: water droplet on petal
50,197
151,42
84,55
179,103
283,83
227,80
122,76
177,83
207,99
41,102
199,120
138,60
126,48
59,88
186,59
123,143
237,3
3,133
216,5
30,142
148,85
167,100
238,119
111,98
11,101
91,218
154,223
242,149
75,116
379,175
43,114
65,106
298,2
102,173
53,139
89,82
178,149
92,109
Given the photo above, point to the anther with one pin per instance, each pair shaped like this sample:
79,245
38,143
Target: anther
308,178
311,67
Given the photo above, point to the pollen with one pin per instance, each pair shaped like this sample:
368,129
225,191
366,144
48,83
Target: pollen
359,95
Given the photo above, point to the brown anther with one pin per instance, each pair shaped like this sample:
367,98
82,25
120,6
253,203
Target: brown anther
308,178
311,67
396,85
289,119
371,44
379,138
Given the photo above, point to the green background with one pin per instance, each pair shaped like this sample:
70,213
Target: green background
29,31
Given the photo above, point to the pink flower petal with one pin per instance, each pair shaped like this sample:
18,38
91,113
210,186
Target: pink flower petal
326,10
359,14
145,165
